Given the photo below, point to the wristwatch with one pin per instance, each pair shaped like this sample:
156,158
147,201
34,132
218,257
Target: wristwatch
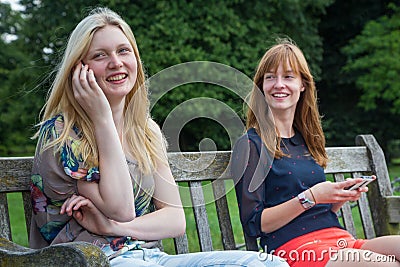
305,202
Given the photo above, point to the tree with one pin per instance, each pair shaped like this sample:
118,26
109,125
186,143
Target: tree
235,33
339,96
374,57
15,105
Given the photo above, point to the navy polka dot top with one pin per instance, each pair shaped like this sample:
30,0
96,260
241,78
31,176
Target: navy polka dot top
262,182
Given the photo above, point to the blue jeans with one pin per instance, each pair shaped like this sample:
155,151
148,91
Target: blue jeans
228,258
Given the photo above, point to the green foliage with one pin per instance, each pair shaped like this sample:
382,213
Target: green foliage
339,95
16,108
235,33
375,56
369,71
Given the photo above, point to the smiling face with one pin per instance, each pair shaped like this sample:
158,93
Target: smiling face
112,59
282,89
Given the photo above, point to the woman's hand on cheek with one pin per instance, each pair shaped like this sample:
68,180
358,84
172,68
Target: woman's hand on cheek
88,93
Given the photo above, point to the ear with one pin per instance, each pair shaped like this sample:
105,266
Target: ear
302,88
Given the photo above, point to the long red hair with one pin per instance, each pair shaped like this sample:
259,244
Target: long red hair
307,119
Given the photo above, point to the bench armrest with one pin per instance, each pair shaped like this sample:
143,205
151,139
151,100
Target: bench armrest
393,207
67,254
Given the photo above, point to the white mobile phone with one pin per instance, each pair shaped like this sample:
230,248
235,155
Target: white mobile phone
366,180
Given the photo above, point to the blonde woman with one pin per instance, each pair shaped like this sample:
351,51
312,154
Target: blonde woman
281,188
101,173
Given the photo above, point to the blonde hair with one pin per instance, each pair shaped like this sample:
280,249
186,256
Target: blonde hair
142,134
306,119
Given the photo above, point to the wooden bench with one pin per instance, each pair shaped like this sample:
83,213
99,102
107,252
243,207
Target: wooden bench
200,173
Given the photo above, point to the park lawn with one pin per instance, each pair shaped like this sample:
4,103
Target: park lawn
17,219
20,234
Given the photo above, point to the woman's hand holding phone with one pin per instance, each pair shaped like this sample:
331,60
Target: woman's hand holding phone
365,181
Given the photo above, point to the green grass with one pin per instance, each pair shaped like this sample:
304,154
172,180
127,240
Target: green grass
20,234
17,219
394,170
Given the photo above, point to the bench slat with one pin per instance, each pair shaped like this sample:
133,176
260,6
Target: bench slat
26,196
15,173
181,244
199,166
379,189
366,218
346,210
378,162
251,242
221,205
5,230
347,159
348,219
342,160
393,205
200,216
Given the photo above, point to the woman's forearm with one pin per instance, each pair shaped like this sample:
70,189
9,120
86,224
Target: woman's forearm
165,223
278,216
113,195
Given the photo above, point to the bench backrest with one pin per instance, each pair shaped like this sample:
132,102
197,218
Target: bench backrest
199,171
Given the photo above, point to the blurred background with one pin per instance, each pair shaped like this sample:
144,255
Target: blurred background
353,47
